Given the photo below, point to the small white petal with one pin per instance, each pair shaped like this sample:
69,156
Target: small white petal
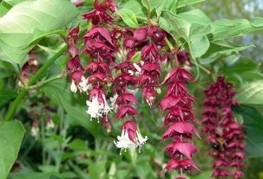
141,140
123,142
73,87
50,125
94,108
84,84
131,72
138,68
35,132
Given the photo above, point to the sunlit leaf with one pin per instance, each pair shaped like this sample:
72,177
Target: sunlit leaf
223,29
193,26
128,17
183,3
29,21
251,93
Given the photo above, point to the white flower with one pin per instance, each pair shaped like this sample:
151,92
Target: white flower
106,108
138,68
141,140
137,72
84,86
124,142
94,108
113,99
50,124
73,87
35,131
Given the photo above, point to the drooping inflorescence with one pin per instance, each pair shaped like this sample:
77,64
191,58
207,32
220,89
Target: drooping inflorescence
179,118
224,133
122,62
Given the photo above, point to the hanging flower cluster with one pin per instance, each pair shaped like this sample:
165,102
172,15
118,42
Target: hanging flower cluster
224,133
178,104
102,44
29,68
123,61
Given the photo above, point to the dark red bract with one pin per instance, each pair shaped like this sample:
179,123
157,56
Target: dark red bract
224,133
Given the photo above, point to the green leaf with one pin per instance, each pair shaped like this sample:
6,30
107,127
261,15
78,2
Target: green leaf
27,22
30,175
97,169
224,29
253,122
184,3
3,10
150,5
167,5
223,48
11,136
128,18
136,57
75,106
257,22
198,39
193,26
251,93
13,2
146,4
6,95
135,7
78,145
218,49
243,70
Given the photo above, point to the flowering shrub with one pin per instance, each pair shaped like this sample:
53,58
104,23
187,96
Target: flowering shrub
84,81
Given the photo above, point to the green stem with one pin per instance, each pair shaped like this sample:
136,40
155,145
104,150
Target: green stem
77,170
42,83
169,44
35,77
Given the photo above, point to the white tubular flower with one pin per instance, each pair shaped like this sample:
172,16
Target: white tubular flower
49,124
130,137
94,108
114,105
124,142
84,86
73,87
106,108
138,68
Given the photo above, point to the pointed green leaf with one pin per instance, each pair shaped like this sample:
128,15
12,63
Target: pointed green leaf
128,18
135,7
224,29
29,21
183,3
193,26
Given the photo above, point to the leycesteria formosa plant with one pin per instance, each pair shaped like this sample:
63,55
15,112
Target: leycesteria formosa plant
84,80
113,77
